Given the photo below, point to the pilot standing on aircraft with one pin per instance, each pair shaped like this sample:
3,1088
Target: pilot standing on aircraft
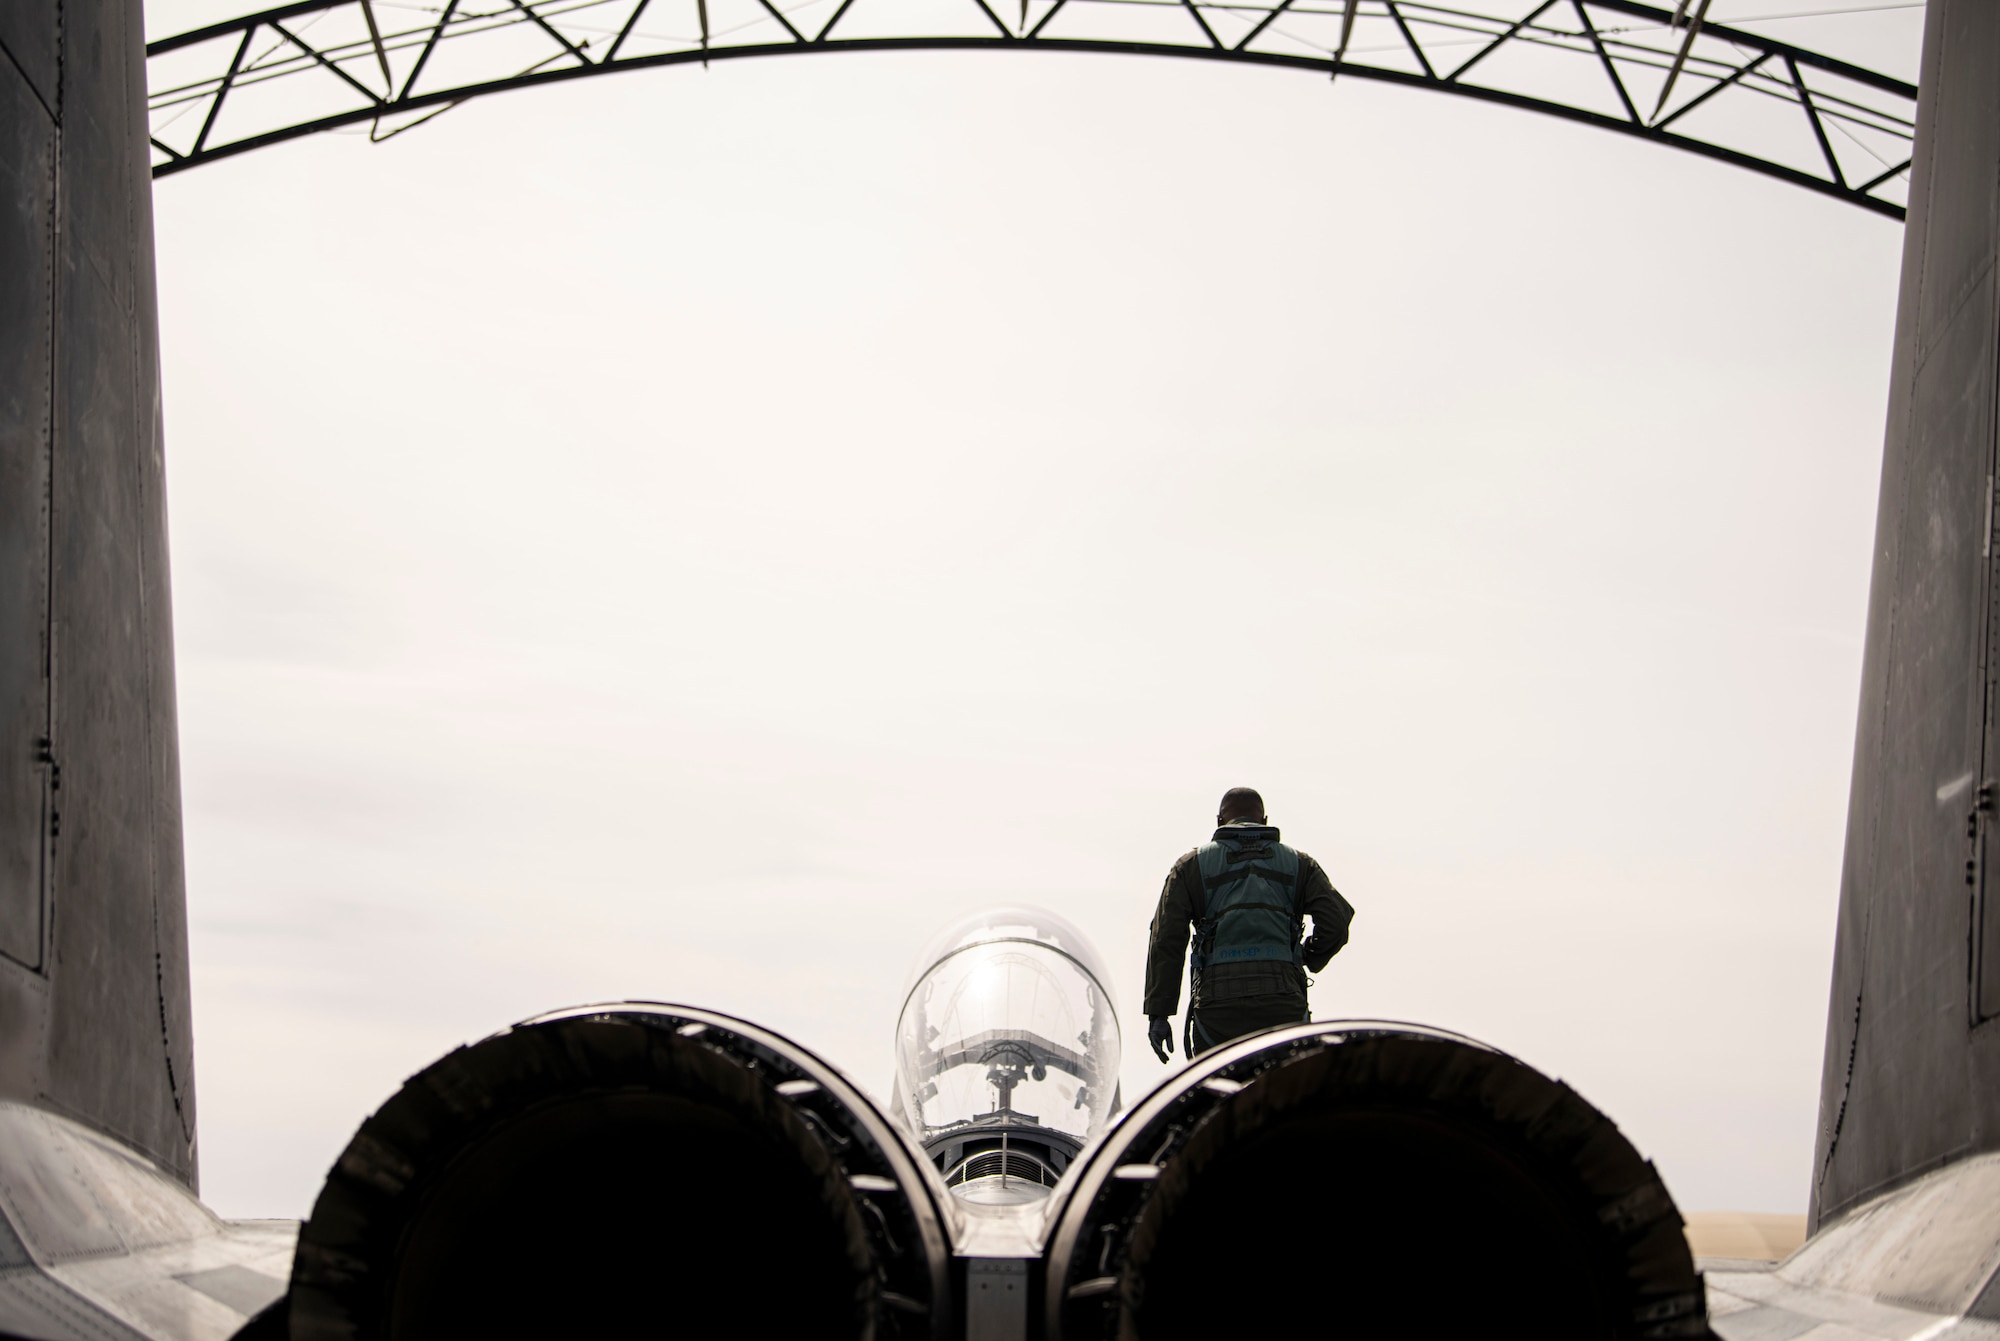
1246,896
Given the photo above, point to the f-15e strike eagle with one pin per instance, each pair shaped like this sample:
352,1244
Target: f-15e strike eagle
646,1169
649,1169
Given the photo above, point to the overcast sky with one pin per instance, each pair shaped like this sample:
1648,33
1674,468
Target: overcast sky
689,535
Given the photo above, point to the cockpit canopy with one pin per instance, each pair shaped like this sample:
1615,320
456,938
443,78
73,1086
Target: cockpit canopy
1007,1021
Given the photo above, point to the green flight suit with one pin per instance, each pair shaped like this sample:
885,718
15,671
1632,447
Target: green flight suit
1231,999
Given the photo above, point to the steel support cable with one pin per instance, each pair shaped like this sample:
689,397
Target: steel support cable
1528,32
1873,102
1521,30
1524,31
262,69
1829,106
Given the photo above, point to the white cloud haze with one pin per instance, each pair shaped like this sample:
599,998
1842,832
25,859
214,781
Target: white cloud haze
691,534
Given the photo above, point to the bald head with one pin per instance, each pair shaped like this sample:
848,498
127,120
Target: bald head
1240,803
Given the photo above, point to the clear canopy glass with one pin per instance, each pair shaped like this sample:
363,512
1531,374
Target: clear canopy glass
1007,1020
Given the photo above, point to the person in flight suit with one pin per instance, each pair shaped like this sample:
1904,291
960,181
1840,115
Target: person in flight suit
1245,895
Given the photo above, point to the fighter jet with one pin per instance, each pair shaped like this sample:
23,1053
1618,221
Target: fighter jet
643,1168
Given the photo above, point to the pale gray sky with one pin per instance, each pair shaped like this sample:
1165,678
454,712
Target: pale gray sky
692,534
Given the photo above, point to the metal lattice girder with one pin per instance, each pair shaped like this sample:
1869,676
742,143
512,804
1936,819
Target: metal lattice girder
1659,75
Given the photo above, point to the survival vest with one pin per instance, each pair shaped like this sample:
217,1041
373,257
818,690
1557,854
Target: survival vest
1249,904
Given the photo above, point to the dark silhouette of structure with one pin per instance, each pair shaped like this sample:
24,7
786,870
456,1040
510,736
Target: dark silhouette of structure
1912,1071
93,922
1689,85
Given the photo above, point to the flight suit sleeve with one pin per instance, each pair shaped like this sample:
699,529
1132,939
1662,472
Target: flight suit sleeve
1166,949
1331,914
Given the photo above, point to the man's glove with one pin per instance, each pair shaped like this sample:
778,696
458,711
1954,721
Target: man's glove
1161,1035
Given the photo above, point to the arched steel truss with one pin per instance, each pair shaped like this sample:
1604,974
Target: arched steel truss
1663,76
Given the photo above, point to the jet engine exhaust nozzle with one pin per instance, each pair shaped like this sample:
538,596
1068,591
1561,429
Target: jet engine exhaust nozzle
621,1170
1372,1179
